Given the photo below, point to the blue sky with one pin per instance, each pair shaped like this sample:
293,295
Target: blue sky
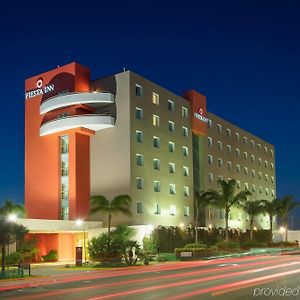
243,55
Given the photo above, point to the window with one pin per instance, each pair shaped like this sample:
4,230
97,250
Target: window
209,123
210,159
245,140
220,145
172,210
253,173
237,136
220,162
63,115
186,191
139,136
273,193
266,149
138,113
252,158
272,153
155,98
138,90
237,152
171,126
238,184
186,211
209,140
171,106
156,142
246,186
210,177
64,144
266,164
155,120
157,210
156,186
228,132
272,166
221,214
260,189
259,175
185,171
238,168
245,155
139,183
272,179
64,168
245,170
228,149
253,187
266,177
172,189
259,147
171,168
139,207
156,164
185,151
219,128
184,112
229,165
252,144
267,191
220,177
259,161
139,160
185,131
171,146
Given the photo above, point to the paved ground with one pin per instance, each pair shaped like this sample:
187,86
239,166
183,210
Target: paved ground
232,278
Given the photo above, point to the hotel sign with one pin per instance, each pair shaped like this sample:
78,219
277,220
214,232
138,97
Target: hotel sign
199,115
40,90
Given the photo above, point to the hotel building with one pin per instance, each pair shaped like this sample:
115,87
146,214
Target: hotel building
124,134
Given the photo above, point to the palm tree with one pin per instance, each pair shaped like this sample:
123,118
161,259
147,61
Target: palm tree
226,198
271,208
120,204
285,207
201,202
252,208
10,207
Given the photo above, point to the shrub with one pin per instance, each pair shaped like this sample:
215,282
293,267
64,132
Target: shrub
253,244
165,257
228,245
196,245
50,256
28,249
12,259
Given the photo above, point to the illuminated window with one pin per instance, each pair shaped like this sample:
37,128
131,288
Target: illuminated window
237,136
272,153
155,98
266,149
186,211
266,177
155,120
138,113
138,90
172,210
172,188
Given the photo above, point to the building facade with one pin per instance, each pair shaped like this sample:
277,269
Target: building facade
124,134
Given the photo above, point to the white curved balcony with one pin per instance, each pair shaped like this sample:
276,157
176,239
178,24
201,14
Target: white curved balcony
93,122
92,98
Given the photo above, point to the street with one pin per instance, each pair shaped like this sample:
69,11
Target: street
231,278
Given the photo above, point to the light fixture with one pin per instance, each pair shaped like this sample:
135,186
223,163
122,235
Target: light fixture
79,222
12,217
282,229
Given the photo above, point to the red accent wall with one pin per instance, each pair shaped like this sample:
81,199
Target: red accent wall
42,154
198,101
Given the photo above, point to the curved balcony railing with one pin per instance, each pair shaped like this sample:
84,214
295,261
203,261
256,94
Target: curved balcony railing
69,99
93,122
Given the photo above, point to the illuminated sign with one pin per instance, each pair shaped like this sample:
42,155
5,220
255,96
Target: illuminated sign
39,90
199,115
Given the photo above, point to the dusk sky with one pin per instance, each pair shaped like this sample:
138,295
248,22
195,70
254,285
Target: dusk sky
243,55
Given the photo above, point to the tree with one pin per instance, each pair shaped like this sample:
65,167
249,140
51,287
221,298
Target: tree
286,205
202,201
120,204
226,197
252,208
10,232
271,208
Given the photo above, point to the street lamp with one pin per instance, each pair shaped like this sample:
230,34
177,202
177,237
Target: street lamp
80,222
12,217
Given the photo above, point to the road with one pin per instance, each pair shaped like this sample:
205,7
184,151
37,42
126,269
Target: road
232,278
